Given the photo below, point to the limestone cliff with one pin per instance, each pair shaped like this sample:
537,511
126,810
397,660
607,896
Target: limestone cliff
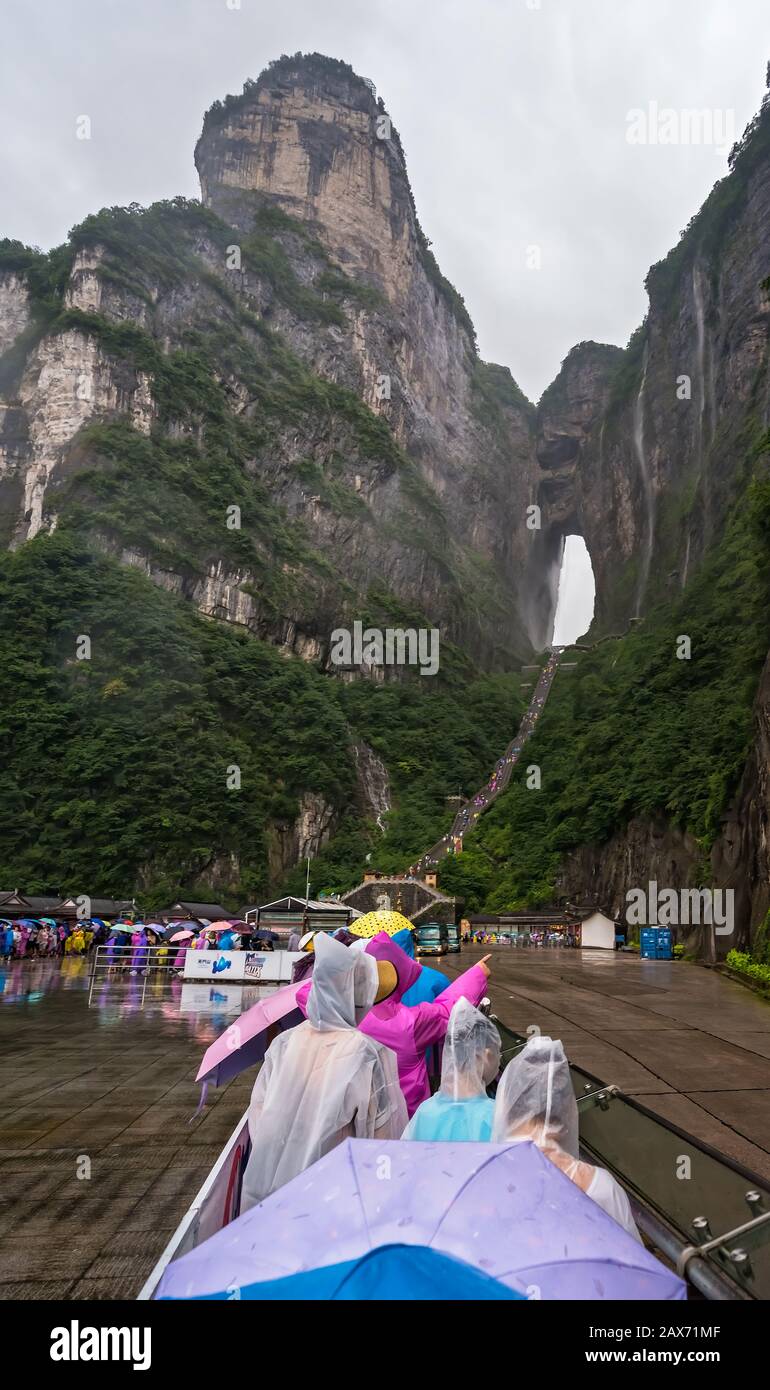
649,473
270,402
300,317
643,453
569,415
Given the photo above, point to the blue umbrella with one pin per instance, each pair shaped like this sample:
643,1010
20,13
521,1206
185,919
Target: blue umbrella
391,1272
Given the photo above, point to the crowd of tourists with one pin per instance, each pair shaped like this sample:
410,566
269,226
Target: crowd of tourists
535,937
135,947
358,1067
45,938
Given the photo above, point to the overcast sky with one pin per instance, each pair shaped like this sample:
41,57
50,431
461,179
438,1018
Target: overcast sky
513,115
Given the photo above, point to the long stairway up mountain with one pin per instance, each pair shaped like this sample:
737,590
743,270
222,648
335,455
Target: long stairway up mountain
476,805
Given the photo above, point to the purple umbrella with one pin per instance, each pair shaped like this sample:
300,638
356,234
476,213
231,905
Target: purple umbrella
504,1208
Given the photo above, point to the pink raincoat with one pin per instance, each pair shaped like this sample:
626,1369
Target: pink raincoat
410,1031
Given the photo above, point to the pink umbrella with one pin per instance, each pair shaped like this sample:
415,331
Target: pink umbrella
181,936
246,1040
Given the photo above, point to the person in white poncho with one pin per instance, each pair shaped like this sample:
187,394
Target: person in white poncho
323,1081
536,1100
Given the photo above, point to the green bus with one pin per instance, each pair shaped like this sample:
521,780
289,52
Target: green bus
432,939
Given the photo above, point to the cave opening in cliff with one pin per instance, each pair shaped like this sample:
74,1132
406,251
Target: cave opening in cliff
576,593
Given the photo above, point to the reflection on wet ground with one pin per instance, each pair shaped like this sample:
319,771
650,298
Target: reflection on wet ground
99,1156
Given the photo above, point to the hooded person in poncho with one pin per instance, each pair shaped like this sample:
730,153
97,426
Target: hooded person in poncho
323,1081
461,1109
536,1101
411,1031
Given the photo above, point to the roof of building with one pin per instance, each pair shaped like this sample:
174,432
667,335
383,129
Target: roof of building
540,917
211,911
100,907
35,902
291,903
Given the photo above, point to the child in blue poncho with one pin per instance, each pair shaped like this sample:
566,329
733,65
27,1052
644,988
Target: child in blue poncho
461,1108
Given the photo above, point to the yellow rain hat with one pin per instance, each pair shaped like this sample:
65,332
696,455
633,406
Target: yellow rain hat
387,979
373,922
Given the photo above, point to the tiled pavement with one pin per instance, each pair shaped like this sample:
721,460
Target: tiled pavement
111,1087
689,1043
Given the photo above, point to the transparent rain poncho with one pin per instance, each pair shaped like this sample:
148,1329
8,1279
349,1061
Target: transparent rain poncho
536,1100
461,1109
471,1056
323,1081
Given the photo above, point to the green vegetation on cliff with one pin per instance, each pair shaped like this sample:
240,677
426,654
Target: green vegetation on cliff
116,765
166,492
635,731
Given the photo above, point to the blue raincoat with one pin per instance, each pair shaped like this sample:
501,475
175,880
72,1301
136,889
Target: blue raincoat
442,1118
431,982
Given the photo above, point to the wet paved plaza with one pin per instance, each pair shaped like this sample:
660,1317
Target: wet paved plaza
99,1158
691,1044
112,1084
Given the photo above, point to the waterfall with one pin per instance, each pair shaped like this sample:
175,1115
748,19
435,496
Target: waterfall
706,393
373,783
700,330
686,565
646,477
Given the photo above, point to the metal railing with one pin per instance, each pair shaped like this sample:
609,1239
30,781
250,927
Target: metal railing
129,962
706,1213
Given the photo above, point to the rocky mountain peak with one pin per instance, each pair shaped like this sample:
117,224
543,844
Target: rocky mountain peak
311,136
